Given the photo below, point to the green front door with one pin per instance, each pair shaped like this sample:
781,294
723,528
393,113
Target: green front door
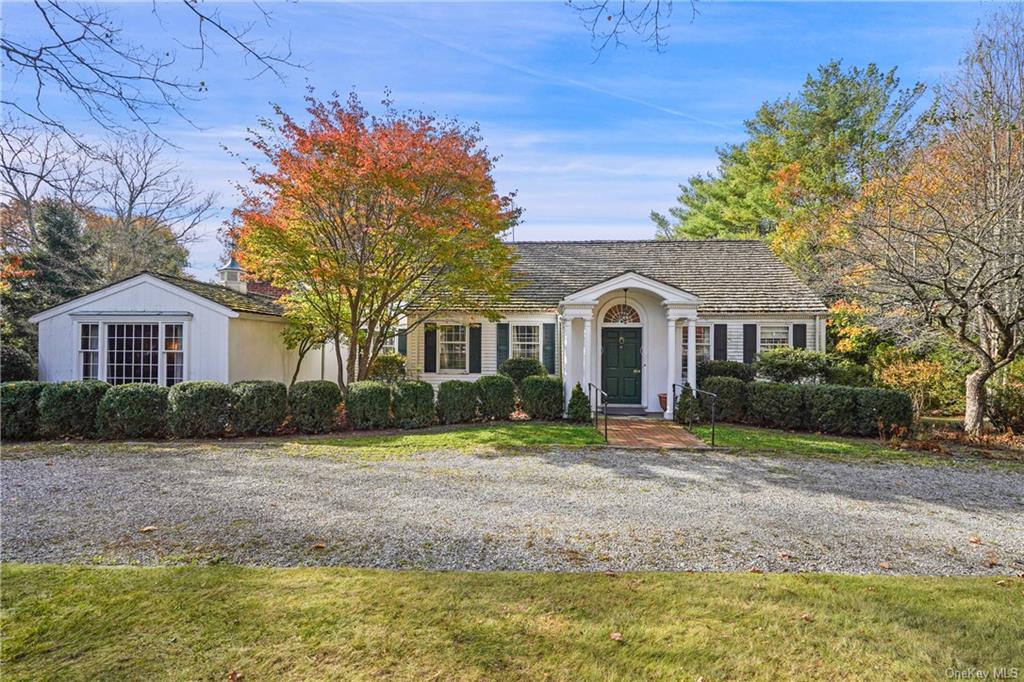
621,364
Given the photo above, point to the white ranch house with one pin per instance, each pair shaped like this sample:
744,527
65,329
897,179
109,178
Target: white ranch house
631,317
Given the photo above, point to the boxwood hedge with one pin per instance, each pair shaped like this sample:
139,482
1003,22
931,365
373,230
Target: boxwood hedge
497,395
68,409
19,410
413,403
543,397
456,401
199,409
259,407
779,406
133,411
731,404
368,404
313,405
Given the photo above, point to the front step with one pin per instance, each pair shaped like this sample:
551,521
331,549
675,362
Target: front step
626,411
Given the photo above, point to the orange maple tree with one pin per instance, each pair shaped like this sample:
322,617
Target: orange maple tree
371,219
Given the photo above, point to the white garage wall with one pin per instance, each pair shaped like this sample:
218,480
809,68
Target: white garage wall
207,333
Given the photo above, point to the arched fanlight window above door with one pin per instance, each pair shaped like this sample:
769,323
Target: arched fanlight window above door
622,314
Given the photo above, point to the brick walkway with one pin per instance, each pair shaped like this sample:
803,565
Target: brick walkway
650,432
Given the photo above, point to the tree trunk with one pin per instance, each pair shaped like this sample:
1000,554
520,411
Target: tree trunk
974,416
298,366
341,365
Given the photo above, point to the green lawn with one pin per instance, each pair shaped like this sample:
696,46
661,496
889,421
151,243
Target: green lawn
477,437
754,440
203,623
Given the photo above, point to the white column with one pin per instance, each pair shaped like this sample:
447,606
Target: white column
587,353
567,374
672,365
691,352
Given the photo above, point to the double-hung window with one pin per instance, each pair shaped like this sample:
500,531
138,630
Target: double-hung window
127,352
526,341
702,339
452,348
89,351
774,336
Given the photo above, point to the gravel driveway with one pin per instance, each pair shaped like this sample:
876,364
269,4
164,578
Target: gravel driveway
575,510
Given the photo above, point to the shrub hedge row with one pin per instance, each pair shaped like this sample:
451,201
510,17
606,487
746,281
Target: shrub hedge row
209,409
828,408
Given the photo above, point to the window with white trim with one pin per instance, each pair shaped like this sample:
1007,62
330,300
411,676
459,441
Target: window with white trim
127,352
774,336
452,348
526,341
174,354
133,353
89,351
702,338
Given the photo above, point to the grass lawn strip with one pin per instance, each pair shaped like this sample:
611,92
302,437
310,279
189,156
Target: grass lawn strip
74,622
759,441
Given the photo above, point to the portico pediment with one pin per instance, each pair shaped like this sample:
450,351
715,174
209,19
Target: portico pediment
672,296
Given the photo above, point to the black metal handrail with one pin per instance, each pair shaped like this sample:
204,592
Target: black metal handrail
594,392
689,424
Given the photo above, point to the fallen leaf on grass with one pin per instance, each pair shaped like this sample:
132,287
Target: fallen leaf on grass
234,676
616,636
755,569
806,617
147,529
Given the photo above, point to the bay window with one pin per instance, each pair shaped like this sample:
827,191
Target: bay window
526,341
126,352
452,348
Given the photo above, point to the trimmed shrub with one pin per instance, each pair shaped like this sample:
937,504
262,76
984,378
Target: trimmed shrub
259,407
688,408
133,411
889,408
313,405
791,365
542,397
1006,408
579,406
831,409
731,405
413,404
725,368
389,368
19,410
368,404
844,372
497,396
518,369
68,409
456,401
16,364
779,406
199,409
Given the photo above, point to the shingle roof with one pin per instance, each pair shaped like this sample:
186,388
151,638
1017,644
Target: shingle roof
229,298
734,276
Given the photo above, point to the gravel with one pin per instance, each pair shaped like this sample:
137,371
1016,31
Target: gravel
597,509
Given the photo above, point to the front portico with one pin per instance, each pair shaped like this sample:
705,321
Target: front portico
623,335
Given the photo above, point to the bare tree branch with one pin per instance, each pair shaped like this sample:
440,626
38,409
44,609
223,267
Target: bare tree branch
610,21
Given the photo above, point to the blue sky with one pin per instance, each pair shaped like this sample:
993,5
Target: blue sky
591,146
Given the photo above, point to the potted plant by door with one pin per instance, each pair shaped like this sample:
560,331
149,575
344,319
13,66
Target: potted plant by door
663,401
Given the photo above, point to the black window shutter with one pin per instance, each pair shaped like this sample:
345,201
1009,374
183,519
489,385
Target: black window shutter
799,336
430,347
502,342
749,343
474,348
549,347
721,342
403,344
